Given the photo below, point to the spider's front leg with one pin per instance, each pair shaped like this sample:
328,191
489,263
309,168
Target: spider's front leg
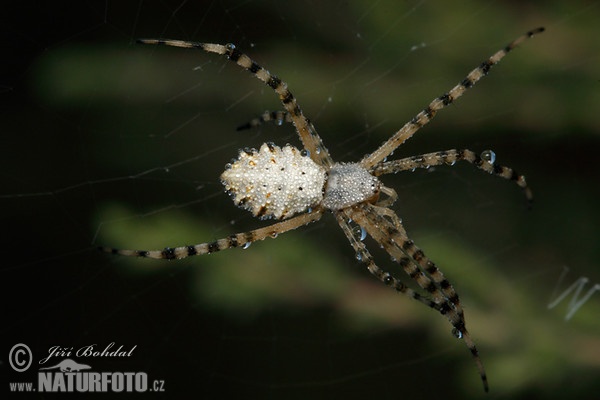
441,102
364,256
389,228
418,266
484,162
391,198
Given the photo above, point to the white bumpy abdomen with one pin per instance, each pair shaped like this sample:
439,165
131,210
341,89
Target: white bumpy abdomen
274,182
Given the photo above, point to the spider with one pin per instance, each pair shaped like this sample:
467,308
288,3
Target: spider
296,187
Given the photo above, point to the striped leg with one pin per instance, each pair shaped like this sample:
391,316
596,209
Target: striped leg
308,135
363,255
278,117
436,282
416,265
485,162
392,196
425,116
383,232
235,240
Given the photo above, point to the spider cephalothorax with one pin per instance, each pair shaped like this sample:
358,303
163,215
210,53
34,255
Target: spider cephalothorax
349,184
297,186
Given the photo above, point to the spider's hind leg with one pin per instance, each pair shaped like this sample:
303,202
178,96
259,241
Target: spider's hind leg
235,240
306,131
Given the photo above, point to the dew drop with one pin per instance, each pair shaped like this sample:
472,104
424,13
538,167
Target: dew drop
230,48
318,150
457,334
274,235
305,153
489,156
246,245
359,232
363,234
359,256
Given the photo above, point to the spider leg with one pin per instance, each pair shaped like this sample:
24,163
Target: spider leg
410,257
391,194
306,131
425,116
391,216
365,257
485,162
235,240
277,117
428,276
398,235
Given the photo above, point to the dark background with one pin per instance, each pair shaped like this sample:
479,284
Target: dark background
108,143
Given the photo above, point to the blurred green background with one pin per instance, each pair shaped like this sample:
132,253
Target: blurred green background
109,143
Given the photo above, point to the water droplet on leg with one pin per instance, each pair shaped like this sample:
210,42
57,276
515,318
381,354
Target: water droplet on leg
489,156
457,334
359,232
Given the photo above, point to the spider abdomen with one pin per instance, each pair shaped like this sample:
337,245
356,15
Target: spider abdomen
349,184
274,182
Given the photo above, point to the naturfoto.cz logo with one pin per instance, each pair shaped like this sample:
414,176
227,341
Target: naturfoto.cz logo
68,375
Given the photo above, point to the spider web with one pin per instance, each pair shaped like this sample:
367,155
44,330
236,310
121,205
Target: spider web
107,143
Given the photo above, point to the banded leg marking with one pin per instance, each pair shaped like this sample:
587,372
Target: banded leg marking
235,240
429,112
